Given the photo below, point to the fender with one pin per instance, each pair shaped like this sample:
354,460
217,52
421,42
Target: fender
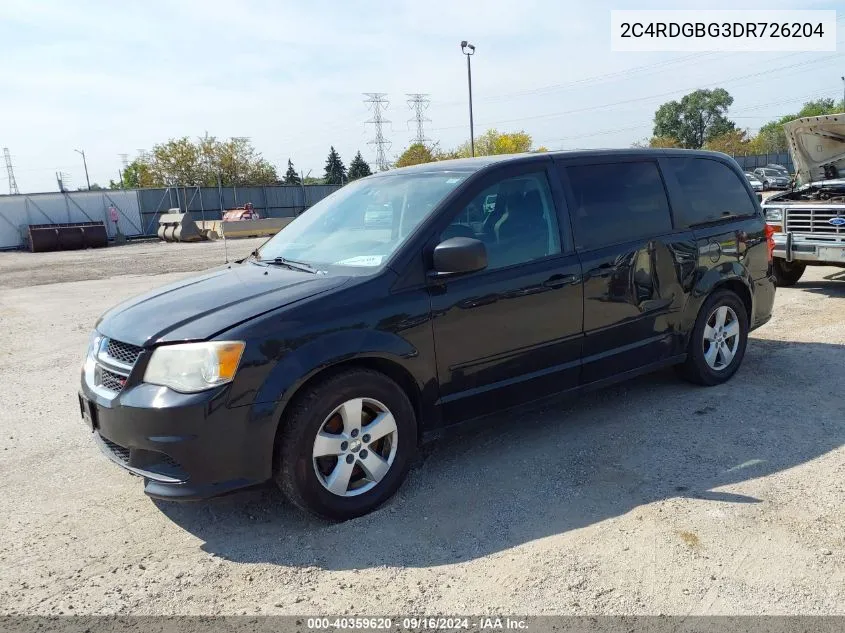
299,366
727,274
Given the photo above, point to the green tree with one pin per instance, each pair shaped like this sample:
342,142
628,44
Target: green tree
359,168
291,177
494,142
734,143
696,118
136,175
239,164
416,154
771,137
335,170
186,162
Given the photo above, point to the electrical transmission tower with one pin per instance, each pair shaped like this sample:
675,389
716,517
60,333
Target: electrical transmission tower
378,103
124,160
419,104
13,186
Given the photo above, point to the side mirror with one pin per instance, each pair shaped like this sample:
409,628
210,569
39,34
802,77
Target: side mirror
759,197
459,255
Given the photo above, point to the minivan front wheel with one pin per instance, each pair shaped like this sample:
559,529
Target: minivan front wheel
718,340
346,445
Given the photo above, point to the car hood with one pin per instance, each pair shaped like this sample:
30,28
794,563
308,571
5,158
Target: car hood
815,142
199,307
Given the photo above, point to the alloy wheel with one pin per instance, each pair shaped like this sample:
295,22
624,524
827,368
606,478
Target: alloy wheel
721,338
355,447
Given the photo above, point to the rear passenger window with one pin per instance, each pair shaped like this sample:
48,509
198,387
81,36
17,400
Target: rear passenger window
617,202
711,190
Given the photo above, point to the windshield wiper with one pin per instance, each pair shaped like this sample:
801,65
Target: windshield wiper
291,263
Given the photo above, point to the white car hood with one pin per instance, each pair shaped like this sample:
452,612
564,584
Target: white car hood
815,142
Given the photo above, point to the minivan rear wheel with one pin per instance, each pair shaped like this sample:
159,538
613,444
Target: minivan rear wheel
718,340
787,273
346,444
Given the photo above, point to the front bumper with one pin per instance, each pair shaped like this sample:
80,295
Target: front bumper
793,247
185,446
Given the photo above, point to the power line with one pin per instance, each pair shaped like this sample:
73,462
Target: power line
650,97
731,115
419,104
377,102
13,185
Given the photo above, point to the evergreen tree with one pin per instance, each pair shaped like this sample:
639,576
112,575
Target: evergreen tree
291,177
335,170
358,168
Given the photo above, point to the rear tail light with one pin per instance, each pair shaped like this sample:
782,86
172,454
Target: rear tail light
770,240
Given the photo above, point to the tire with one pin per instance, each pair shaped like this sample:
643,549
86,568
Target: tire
787,273
329,408
700,366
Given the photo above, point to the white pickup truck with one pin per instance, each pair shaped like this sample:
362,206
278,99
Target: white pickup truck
809,220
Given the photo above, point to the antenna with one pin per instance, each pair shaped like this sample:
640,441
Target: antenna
419,104
63,179
377,102
13,185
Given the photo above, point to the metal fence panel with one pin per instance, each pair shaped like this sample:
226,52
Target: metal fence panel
208,203
750,162
14,216
16,212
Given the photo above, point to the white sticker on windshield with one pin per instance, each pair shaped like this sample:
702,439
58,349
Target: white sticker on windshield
361,260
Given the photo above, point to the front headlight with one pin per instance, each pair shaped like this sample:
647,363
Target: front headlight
192,367
93,346
774,215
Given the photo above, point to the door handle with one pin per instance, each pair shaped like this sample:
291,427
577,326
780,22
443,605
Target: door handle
556,281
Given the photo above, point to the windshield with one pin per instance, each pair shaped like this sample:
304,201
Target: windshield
363,223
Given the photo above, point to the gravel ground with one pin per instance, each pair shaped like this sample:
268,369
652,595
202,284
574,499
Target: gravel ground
649,497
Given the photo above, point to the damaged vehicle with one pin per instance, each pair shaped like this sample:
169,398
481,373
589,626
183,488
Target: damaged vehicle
809,220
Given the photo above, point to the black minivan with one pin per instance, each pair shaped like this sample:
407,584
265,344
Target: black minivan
422,297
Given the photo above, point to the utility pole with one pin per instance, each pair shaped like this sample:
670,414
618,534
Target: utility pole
13,185
419,104
843,93
377,102
85,163
469,50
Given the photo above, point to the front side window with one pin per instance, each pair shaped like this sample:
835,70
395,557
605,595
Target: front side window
515,218
711,189
617,202
361,225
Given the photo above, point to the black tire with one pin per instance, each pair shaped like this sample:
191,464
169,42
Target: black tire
696,369
295,472
787,273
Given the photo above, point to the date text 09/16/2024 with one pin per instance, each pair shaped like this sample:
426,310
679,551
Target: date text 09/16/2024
418,623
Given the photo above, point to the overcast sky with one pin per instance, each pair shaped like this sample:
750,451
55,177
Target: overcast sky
115,77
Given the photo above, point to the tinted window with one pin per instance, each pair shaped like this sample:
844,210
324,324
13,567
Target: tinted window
616,202
711,190
515,218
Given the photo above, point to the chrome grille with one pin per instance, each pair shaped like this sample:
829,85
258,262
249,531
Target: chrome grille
111,380
115,361
123,352
814,223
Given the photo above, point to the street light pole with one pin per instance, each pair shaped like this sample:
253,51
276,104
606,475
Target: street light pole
84,162
469,50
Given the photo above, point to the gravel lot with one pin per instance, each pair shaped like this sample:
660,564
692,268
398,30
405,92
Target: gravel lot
650,497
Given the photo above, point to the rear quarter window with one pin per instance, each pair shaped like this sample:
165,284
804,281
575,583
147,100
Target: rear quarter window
617,202
712,190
